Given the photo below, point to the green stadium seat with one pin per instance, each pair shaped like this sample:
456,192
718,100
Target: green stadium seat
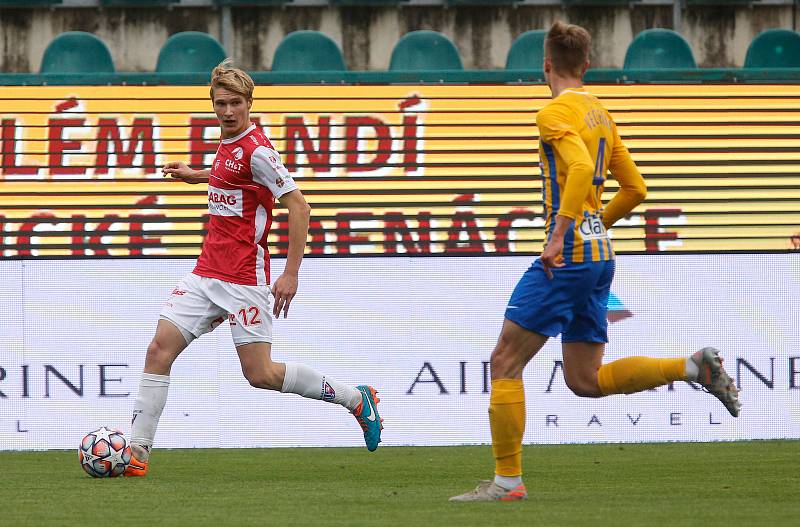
307,50
77,52
189,51
29,3
774,48
659,48
527,51
137,3
425,50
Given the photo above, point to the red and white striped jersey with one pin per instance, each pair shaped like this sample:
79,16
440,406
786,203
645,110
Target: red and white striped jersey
246,177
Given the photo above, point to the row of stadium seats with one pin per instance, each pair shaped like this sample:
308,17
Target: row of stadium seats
304,51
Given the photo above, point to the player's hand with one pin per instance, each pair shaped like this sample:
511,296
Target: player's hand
551,256
284,289
179,170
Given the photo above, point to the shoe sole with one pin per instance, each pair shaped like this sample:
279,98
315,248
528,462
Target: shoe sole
455,499
712,360
373,396
515,494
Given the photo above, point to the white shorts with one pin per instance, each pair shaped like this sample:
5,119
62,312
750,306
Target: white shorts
198,304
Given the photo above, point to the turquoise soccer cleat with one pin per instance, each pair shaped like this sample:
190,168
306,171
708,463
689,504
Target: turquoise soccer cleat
367,416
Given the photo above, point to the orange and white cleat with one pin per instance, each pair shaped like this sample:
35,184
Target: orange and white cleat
137,468
715,380
488,490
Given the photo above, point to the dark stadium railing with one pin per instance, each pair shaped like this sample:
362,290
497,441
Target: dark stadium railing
597,76
137,3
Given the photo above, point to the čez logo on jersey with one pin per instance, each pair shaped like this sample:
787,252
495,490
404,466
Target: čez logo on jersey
225,202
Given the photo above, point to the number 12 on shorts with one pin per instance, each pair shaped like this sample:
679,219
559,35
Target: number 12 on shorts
250,316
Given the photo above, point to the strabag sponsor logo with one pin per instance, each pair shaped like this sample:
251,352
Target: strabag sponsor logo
224,202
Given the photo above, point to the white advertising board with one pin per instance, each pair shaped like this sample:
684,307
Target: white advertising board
73,335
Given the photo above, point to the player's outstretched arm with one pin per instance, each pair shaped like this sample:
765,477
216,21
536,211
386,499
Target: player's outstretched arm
285,286
179,170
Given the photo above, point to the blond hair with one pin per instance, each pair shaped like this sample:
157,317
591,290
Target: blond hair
226,76
567,47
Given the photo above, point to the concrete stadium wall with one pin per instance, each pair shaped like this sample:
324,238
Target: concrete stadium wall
719,36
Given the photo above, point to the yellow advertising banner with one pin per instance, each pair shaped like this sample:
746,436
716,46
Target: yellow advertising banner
393,169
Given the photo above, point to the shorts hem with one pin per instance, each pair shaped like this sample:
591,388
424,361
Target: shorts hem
529,327
180,327
253,340
577,339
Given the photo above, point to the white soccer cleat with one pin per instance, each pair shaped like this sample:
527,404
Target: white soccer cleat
715,380
490,491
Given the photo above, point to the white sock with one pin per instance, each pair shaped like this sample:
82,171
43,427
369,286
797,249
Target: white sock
508,482
692,369
310,383
147,408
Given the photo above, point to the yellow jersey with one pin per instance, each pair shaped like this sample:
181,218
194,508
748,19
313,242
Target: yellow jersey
578,145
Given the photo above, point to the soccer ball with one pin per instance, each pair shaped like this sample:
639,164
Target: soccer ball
104,453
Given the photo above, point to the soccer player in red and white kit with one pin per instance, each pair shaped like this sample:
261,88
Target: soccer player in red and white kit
231,280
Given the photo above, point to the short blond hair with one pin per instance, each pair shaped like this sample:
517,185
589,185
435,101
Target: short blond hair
567,46
233,79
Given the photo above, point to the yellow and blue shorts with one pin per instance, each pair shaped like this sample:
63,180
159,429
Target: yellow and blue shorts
572,304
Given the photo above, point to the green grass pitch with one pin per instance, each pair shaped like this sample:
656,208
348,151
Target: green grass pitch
708,484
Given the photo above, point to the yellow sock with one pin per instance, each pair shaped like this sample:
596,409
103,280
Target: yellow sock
507,420
636,374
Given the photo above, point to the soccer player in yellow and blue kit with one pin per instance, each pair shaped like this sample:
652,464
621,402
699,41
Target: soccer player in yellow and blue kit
566,290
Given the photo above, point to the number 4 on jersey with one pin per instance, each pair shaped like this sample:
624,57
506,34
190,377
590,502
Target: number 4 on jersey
599,167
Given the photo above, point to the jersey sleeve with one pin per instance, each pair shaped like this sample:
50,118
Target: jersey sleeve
557,128
268,171
632,189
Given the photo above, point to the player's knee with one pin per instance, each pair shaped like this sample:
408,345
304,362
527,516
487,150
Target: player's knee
504,358
160,355
584,387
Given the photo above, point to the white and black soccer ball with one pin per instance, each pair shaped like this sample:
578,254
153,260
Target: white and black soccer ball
104,453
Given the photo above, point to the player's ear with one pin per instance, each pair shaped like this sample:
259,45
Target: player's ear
547,65
249,103
585,67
